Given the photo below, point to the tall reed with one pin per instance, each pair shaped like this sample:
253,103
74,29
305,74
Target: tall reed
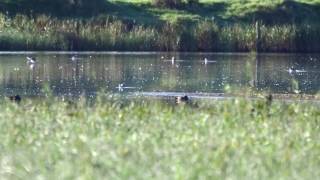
107,33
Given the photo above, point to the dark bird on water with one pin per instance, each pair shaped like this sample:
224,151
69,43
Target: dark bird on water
15,98
181,99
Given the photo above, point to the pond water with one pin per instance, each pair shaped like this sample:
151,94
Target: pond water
156,74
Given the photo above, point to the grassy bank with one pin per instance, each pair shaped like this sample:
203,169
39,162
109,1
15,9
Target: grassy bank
233,139
108,33
217,25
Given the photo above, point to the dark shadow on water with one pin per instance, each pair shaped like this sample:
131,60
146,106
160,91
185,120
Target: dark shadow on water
211,11
136,13
56,8
286,12
128,12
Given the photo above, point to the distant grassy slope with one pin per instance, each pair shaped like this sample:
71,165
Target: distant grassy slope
270,11
231,10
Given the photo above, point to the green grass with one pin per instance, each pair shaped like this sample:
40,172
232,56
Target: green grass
143,11
107,33
271,11
288,26
114,140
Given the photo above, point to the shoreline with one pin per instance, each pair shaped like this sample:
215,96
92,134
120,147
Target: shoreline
45,52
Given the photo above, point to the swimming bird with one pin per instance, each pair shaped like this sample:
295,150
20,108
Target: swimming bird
15,98
172,59
120,87
181,99
31,66
292,70
31,60
74,57
205,61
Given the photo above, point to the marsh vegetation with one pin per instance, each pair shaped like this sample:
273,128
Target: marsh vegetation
286,26
46,134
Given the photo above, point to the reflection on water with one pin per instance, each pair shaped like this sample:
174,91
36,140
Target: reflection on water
87,73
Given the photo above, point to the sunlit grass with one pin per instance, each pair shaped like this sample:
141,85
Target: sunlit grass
233,139
109,33
242,10
211,25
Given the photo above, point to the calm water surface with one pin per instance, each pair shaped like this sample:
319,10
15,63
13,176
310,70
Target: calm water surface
155,74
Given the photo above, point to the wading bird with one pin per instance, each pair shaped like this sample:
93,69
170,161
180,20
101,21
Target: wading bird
31,60
172,59
205,61
292,70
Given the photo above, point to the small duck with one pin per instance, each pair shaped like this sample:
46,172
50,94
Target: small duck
292,70
74,57
31,66
15,98
205,61
173,59
181,99
120,87
31,60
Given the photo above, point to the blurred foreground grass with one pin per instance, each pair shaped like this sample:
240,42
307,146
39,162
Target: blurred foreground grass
230,139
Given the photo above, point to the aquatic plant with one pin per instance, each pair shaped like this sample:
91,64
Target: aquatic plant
206,34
